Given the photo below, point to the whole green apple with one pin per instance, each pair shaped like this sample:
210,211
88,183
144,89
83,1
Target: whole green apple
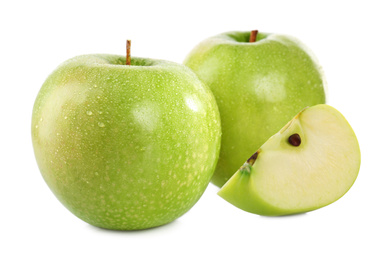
258,87
125,147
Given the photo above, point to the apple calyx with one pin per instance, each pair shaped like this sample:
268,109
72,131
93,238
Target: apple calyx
253,158
128,57
247,166
252,37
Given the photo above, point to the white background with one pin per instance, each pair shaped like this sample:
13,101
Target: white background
36,36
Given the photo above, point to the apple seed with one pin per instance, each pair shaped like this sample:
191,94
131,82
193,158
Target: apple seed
295,140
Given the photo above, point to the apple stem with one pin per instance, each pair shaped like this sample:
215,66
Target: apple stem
252,37
128,57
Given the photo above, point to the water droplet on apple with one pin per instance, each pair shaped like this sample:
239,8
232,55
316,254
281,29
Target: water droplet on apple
89,113
65,117
36,126
100,124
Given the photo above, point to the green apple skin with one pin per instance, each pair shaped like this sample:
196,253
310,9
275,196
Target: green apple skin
286,179
125,147
258,87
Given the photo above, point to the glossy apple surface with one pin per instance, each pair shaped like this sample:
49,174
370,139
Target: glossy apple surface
125,147
258,87
310,163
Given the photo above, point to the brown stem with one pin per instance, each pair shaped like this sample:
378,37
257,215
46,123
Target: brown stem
252,37
128,57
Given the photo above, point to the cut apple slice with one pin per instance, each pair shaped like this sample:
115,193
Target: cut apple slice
310,163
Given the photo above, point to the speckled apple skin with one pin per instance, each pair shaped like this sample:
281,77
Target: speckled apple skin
125,147
258,87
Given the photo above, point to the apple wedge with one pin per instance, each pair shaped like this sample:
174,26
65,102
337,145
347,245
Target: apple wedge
310,163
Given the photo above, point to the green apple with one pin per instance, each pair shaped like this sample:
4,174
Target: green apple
258,87
125,147
308,164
